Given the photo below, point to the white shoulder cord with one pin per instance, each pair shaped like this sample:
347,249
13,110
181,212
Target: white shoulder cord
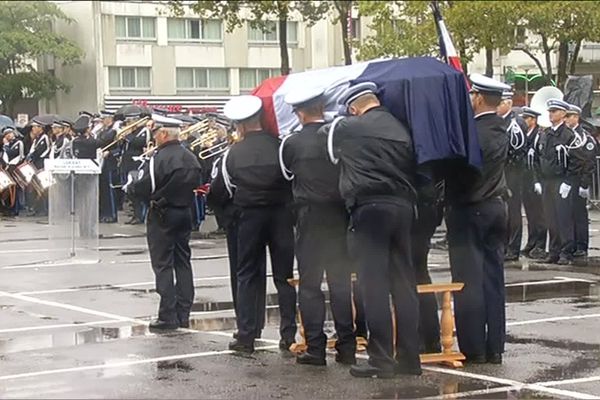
226,178
332,157
287,174
517,138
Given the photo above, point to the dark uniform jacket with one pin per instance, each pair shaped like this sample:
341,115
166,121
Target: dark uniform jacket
583,156
169,178
219,199
105,137
316,179
516,156
491,183
135,143
85,147
60,145
553,148
253,166
533,159
376,156
13,152
40,148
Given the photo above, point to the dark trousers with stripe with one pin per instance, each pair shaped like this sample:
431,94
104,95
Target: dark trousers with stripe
581,218
321,246
476,236
534,210
108,201
514,181
559,216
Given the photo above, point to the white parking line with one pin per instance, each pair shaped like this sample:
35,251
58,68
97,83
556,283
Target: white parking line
552,319
124,363
470,393
58,326
557,279
571,381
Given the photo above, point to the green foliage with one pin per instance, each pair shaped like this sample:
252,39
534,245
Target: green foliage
26,35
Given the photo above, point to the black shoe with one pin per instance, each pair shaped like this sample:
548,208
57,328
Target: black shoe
527,249
309,359
475,359
241,347
580,254
511,257
494,358
184,324
404,369
285,344
235,334
367,371
564,261
550,260
345,358
537,254
160,325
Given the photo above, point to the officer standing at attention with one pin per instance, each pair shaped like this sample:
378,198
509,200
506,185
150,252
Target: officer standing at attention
321,226
251,167
532,193
377,162
558,177
167,184
476,222
109,175
515,166
583,153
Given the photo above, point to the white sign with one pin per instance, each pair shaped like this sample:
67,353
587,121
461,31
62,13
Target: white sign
22,119
76,165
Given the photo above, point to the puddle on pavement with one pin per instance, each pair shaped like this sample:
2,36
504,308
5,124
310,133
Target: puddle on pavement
177,366
66,339
448,386
553,290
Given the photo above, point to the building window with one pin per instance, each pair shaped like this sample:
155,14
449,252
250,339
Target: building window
355,29
195,29
135,27
202,78
129,78
252,77
270,33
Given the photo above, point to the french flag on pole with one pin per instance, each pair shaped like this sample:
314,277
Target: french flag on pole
447,49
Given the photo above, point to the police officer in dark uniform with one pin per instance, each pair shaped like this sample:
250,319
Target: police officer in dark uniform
583,153
476,222
515,167
532,195
134,146
167,184
109,175
376,181
251,167
321,226
558,178
221,202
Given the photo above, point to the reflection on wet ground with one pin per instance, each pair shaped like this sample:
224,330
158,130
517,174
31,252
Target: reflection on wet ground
446,386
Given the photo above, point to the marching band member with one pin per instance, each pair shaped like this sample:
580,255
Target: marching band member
61,138
476,220
109,175
532,194
321,225
39,150
251,167
584,155
12,155
376,181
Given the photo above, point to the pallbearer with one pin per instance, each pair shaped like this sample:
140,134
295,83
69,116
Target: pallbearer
321,225
377,167
476,222
532,191
251,168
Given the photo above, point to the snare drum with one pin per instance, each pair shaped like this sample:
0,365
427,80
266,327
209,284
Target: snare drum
24,174
6,181
42,181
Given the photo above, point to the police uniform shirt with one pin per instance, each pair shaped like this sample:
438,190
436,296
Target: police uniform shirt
252,166
40,148
315,178
491,182
552,149
582,156
376,156
171,175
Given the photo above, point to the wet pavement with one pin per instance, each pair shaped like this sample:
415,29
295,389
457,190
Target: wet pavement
79,330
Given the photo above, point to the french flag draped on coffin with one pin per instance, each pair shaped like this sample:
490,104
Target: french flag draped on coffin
429,96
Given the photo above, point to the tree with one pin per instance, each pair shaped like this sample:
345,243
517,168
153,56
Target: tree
259,15
26,35
343,9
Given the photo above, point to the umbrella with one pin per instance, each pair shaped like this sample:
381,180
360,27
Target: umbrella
132,109
6,121
45,119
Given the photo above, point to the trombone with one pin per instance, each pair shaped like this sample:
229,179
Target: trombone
183,135
121,133
215,150
206,137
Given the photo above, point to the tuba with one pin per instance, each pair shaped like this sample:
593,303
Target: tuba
538,103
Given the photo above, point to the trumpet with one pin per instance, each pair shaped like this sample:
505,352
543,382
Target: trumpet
183,135
121,133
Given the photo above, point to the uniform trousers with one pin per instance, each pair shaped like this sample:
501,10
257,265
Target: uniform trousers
232,242
534,210
514,181
259,227
168,242
476,236
423,230
581,218
559,217
381,232
321,246
108,201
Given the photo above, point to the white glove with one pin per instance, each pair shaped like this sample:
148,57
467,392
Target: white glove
125,187
584,193
564,190
537,188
